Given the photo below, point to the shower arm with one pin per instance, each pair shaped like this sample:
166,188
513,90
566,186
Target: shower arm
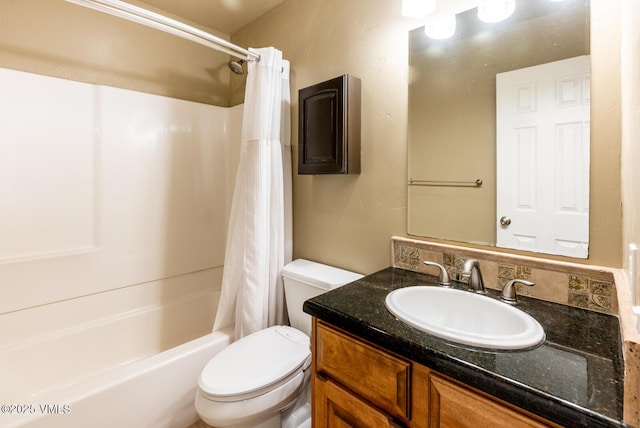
159,22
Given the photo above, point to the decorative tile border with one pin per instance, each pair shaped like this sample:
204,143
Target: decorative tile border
570,284
408,258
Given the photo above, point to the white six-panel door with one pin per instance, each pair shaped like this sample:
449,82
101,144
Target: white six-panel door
542,126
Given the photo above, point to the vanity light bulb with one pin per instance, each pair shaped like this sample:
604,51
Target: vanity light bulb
495,10
442,28
418,8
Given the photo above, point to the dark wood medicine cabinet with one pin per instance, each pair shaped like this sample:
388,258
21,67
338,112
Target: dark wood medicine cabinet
329,127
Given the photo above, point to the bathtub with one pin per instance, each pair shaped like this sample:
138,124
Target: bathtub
156,391
124,358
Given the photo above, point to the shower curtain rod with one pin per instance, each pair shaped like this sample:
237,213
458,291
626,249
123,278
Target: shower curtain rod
159,22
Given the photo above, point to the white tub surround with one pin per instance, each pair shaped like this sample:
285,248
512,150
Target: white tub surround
113,214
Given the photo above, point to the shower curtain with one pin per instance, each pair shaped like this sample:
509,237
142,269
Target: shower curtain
259,236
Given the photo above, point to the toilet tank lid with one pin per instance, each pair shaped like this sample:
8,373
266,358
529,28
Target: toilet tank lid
318,275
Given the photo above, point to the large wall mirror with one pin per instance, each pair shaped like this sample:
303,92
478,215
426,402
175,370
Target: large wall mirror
498,150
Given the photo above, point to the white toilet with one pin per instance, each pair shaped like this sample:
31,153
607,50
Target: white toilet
262,380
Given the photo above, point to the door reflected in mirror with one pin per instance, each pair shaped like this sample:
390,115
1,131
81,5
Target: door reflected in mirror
526,140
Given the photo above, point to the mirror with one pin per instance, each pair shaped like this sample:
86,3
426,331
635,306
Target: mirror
457,176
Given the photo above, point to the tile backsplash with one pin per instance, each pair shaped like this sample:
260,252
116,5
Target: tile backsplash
571,284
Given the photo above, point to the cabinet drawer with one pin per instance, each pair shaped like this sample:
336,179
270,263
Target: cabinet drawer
380,378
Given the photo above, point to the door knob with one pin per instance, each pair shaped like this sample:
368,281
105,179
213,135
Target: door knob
505,221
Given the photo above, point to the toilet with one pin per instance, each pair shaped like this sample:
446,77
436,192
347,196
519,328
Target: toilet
262,380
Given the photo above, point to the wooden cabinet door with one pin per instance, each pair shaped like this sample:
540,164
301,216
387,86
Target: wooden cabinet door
452,405
334,406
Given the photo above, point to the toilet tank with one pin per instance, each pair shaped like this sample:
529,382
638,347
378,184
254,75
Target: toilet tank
304,279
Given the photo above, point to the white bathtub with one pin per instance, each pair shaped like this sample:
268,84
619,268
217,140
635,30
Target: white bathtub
157,391
125,358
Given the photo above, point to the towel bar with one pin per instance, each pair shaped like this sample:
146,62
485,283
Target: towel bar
476,183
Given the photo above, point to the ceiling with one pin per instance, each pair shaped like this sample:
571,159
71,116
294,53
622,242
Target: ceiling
226,16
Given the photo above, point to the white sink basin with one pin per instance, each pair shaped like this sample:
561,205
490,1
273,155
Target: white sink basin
464,317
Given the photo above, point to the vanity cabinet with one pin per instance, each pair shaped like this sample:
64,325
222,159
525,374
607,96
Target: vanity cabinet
357,384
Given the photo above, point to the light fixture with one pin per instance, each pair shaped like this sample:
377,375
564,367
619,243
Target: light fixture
418,8
442,28
495,10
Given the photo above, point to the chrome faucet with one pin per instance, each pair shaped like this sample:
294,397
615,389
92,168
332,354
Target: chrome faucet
444,276
509,291
471,270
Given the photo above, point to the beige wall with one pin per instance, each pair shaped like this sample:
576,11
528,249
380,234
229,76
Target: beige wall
631,125
61,39
348,220
605,223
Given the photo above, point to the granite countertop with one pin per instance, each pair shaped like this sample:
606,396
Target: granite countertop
575,378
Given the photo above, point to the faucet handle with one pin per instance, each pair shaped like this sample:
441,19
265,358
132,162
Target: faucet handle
444,276
509,291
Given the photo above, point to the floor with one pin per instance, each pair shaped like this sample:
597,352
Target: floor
199,424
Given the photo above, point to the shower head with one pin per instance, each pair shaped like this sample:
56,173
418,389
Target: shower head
236,66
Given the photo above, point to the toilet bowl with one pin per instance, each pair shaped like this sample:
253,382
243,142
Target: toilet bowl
254,377
262,380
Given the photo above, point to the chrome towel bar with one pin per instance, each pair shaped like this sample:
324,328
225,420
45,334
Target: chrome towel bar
476,183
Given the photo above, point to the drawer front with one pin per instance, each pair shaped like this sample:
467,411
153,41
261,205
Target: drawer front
380,378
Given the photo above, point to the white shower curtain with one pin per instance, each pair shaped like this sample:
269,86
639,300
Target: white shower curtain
259,236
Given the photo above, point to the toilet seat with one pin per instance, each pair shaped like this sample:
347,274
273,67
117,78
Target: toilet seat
256,364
